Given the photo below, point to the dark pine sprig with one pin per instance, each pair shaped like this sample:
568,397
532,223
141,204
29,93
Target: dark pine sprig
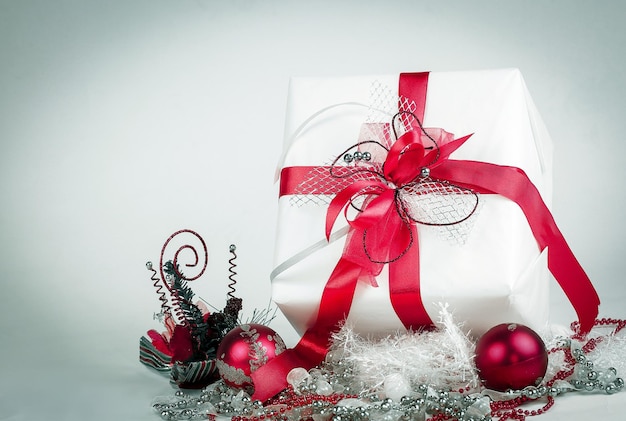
198,327
208,332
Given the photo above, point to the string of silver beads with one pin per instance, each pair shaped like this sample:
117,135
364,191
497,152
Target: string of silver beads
337,378
588,379
357,156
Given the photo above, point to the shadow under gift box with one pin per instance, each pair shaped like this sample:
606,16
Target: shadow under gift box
498,275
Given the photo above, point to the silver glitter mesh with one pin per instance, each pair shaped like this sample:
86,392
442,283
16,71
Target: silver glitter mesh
449,209
320,180
383,105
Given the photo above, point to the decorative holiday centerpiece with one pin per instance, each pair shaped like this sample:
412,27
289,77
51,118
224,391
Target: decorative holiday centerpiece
438,374
198,344
427,298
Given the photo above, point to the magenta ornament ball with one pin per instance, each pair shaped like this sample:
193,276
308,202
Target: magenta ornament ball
243,350
511,356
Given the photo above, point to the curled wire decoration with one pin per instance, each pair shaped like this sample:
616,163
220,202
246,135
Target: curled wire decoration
179,314
158,284
233,272
389,259
436,203
204,257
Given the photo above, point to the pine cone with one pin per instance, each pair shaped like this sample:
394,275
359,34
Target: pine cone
233,307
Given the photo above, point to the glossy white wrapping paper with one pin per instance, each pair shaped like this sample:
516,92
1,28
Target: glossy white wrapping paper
498,275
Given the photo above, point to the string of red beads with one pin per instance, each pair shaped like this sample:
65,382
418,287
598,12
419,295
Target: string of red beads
288,401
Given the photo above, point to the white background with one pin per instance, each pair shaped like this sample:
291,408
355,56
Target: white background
122,122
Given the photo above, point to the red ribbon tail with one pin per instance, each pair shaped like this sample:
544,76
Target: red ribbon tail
514,184
271,378
404,288
573,281
335,304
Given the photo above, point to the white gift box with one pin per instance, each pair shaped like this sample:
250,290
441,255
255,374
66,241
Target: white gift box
498,275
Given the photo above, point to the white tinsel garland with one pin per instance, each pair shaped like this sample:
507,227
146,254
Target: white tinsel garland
611,350
442,357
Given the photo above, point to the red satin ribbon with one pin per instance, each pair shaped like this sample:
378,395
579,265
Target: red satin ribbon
388,234
514,184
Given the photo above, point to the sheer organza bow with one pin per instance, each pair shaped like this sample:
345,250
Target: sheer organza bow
389,188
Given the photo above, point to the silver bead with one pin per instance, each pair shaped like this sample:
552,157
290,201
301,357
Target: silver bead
367,156
357,156
592,375
577,384
425,172
553,391
589,386
149,265
564,343
468,400
348,158
530,392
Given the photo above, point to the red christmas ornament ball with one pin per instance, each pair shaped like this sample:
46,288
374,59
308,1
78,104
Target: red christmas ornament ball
243,350
511,356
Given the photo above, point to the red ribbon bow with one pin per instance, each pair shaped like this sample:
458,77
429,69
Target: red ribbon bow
384,219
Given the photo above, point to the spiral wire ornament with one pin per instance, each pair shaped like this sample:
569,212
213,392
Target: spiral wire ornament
158,284
186,247
233,272
176,299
